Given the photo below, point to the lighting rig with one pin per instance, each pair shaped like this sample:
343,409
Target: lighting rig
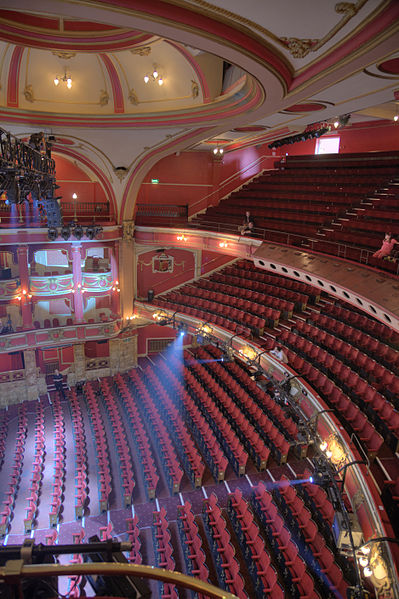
28,169
75,230
312,132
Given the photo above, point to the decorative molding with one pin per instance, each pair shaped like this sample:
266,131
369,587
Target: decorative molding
133,97
28,93
128,230
104,97
299,48
63,54
194,89
143,51
120,172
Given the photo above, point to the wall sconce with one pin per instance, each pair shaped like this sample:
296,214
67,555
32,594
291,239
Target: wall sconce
116,287
374,565
66,79
333,450
154,76
248,353
160,315
223,244
181,237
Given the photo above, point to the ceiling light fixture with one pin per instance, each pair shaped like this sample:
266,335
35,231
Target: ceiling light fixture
154,76
66,79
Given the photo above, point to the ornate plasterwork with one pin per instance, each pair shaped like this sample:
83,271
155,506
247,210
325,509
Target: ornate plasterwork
63,54
128,230
133,97
298,47
143,51
28,93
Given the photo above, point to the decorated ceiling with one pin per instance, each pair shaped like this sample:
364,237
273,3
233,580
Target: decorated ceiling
242,73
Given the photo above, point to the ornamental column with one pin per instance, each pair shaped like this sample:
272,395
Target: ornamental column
114,259
127,266
23,269
77,282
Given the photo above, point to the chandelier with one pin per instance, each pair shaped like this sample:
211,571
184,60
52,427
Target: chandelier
154,76
66,78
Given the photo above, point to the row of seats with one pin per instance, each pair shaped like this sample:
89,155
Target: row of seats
224,432
37,470
369,344
101,445
194,555
163,552
244,429
246,416
120,442
375,373
238,380
263,303
291,567
211,449
263,574
161,437
311,544
3,436
188,452
359,320
133,533
211,317
248,270
59,461
139,436
81,469
227,567
354,418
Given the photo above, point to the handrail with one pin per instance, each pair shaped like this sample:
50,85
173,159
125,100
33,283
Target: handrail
288,238
14,570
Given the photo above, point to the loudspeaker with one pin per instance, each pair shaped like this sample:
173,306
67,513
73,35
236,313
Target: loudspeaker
150,295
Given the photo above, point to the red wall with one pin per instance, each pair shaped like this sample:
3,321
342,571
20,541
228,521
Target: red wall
162,281
62,355
73,179
12,361
94,349
212,260
153,331
197,180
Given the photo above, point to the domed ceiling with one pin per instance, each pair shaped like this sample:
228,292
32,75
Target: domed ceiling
245,73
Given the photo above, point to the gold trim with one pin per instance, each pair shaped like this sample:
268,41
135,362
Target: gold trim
299,48
113,569
380,75
205,35
348,58
141,51
64,55
100,62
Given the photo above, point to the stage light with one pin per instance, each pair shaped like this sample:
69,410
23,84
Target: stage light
66,232
78,232
90,233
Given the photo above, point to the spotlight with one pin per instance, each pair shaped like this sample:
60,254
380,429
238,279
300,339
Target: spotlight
52,233
65,232
182,328
78,232
90,232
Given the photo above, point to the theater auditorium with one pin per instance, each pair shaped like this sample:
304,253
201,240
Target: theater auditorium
199,305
